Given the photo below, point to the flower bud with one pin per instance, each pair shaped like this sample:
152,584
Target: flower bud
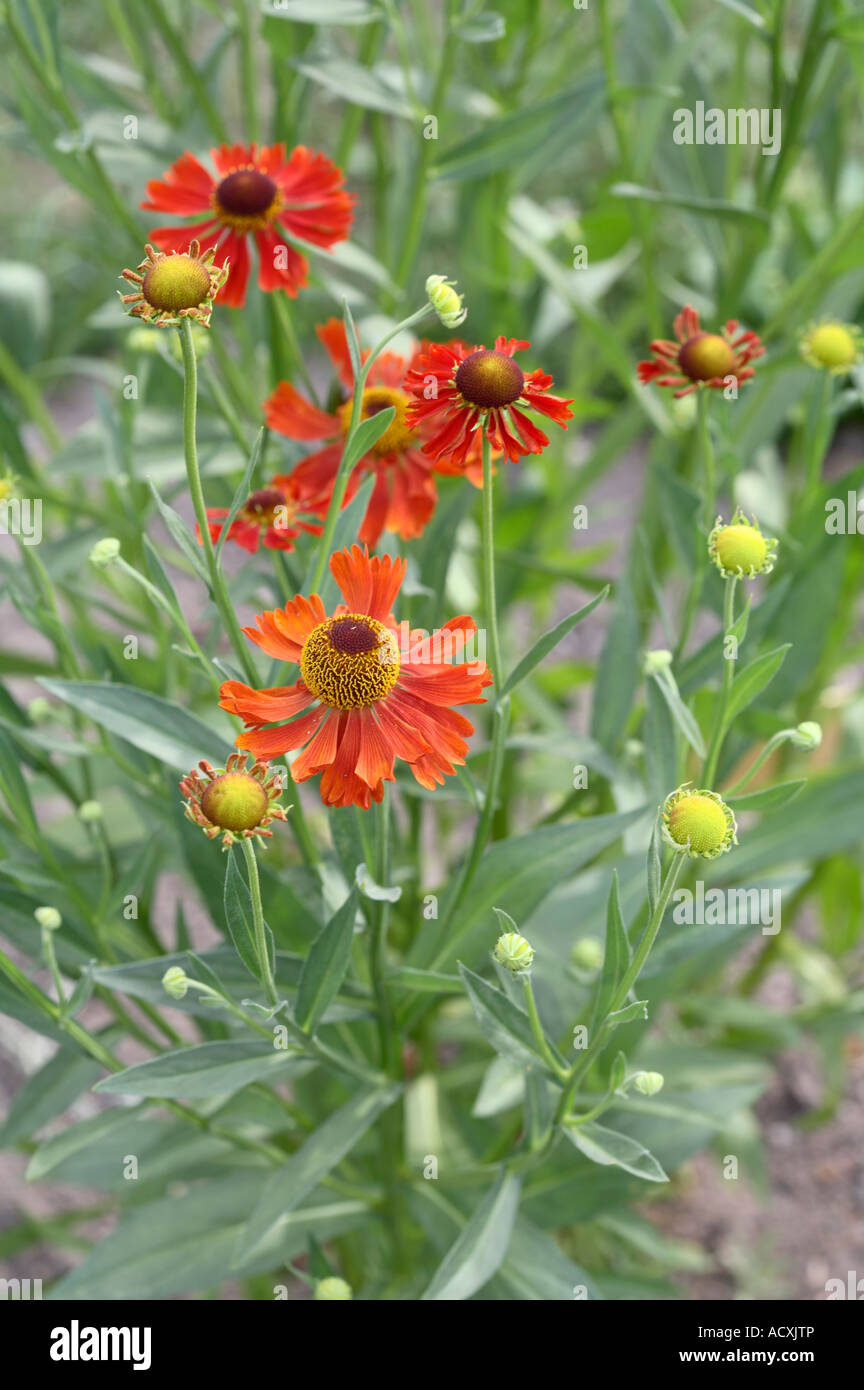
105,552
514,953
445,301
333,1290
588,953
739,550
175,981
833,347
698,822
38,710
90,812
654,662
48,917
234,802
807,735
648,1082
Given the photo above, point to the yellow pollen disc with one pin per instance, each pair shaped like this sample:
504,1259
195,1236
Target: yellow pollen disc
740,548
398,434
699,821
351,661
235,801
833,345
706,356
176,282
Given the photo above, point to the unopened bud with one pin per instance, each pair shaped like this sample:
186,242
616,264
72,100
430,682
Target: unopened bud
648,1082
807,735
445,300
175,982
90,812
514,953
48,917
588,953
333,1290
105,552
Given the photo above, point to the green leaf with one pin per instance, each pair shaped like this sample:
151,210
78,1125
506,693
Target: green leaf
703,207
183,538
74,1140
617,672
13,786
530,133
501,1023
424,981
478,1252
325,966
47,1093
608,1147
778,795
155,726
323,11
665,682
344,534
320,1154
753,680
361,86
205,1069
240,919
174,1245
616,958
653,866
244,487
545,644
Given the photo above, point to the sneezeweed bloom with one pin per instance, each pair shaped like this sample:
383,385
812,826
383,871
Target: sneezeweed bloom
739,550
234,802
699,823
273,517
698,358
446,301
174,287
833,347
260,195
404,494
466,393
361,701
514,953
333,1290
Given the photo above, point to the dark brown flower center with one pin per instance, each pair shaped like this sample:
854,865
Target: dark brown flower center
246,193
352,636
262,505
489,379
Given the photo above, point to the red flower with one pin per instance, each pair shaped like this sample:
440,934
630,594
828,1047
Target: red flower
465,391
258,193
404,495
700,358
363,699
268,517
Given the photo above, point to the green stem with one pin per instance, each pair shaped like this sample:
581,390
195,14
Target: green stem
537,1029
709,479
718,733
488,528
261,948
820,434
341,482
190,451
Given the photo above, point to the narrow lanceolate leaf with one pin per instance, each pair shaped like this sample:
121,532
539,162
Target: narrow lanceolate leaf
325,966
680,713
304,1170
155,726
653,864
345,533
181,535
207,1069
478,1252
617,955
777,795
753,680
13,786
501,1023
545,644
238,915
244,487
47,1093
608,1147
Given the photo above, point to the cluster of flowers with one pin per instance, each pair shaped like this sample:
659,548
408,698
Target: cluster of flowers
359,702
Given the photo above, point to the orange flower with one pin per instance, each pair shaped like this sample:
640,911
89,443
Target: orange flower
269,517
260,194
368,691
700,358
465,392
404,495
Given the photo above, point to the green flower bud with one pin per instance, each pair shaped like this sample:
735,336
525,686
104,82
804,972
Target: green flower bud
175,982
648,1082
653,662
333,1290
446,302
90,812
48,917
807,735
588,953
105,552
514,953
38,710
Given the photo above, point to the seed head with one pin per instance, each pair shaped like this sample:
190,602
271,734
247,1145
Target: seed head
739,550
698,823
